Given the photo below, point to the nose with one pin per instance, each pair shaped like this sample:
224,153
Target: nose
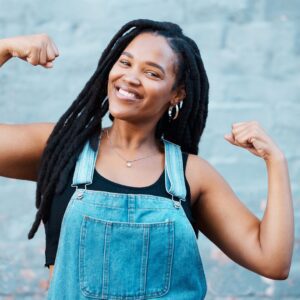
131,78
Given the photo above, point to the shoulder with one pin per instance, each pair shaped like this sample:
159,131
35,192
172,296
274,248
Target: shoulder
197,163
200,174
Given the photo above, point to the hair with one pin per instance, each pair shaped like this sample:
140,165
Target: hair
83,119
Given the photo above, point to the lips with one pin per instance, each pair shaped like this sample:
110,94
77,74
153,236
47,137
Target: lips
127,93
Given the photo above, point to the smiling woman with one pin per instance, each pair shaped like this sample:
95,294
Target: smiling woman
122,206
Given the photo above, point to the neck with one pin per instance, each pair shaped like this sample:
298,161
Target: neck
133,138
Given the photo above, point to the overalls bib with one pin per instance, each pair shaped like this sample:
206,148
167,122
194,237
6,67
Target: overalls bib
118,246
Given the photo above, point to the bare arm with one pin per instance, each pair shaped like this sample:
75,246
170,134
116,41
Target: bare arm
21,147
276,233
263,246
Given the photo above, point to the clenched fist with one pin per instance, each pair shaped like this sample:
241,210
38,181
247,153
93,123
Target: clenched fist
251,136
38,49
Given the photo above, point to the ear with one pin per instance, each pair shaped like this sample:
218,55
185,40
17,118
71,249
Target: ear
179,95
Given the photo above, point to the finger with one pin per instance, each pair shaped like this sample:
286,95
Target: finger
229,137
239,123
43,56
34,57
244,139
50,53
238,126
55,49
48,65
239,129
245,123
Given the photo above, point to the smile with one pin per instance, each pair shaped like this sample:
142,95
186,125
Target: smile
124,94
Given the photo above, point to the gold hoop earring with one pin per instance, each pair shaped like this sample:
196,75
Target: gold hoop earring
171,110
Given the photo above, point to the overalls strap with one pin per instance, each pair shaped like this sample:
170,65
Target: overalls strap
174,173
85,165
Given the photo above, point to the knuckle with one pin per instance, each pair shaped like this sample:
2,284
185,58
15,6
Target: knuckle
234,130
33,61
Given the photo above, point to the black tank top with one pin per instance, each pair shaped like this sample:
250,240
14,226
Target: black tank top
60,202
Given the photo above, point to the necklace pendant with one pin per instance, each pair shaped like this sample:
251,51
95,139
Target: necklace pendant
128,164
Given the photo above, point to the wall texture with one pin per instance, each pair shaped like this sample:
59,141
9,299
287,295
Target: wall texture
251,51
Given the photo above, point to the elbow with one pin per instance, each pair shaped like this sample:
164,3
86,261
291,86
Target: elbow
278,274
284,274
276,267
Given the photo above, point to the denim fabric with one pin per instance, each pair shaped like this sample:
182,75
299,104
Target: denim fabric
127,246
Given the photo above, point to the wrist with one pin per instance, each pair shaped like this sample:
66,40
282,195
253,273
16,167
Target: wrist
5,53
276,157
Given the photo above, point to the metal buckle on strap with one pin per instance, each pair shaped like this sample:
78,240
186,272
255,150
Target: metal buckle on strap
79,194
176,204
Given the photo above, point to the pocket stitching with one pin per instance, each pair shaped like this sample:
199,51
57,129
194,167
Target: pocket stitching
169,259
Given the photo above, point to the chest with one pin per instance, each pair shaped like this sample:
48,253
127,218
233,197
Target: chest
142,173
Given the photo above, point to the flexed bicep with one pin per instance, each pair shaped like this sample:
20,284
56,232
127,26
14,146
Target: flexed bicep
224,219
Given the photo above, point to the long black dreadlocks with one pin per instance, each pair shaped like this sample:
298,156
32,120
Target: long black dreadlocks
83,119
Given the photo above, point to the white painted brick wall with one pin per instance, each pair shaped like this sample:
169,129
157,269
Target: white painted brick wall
251,52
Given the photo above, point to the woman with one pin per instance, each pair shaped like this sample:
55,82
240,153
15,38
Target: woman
130,236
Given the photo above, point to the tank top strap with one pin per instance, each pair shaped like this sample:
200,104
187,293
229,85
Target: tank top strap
174,172
85,165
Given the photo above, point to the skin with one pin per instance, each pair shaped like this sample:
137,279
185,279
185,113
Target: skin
263,246
37,49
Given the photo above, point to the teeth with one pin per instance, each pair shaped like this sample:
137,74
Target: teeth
125,93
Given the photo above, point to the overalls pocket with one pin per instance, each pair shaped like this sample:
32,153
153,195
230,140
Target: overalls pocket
121,259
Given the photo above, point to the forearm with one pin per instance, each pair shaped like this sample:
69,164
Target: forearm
4,51
277,226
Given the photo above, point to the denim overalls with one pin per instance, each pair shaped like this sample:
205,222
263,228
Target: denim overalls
127,246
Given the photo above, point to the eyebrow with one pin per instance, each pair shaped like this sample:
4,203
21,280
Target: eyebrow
150,63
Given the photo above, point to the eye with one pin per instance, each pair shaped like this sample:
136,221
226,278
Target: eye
152,74
124,62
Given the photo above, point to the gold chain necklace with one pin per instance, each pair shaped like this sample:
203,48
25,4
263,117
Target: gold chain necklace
128,162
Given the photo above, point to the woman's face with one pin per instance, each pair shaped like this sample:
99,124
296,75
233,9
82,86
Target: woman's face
140,82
